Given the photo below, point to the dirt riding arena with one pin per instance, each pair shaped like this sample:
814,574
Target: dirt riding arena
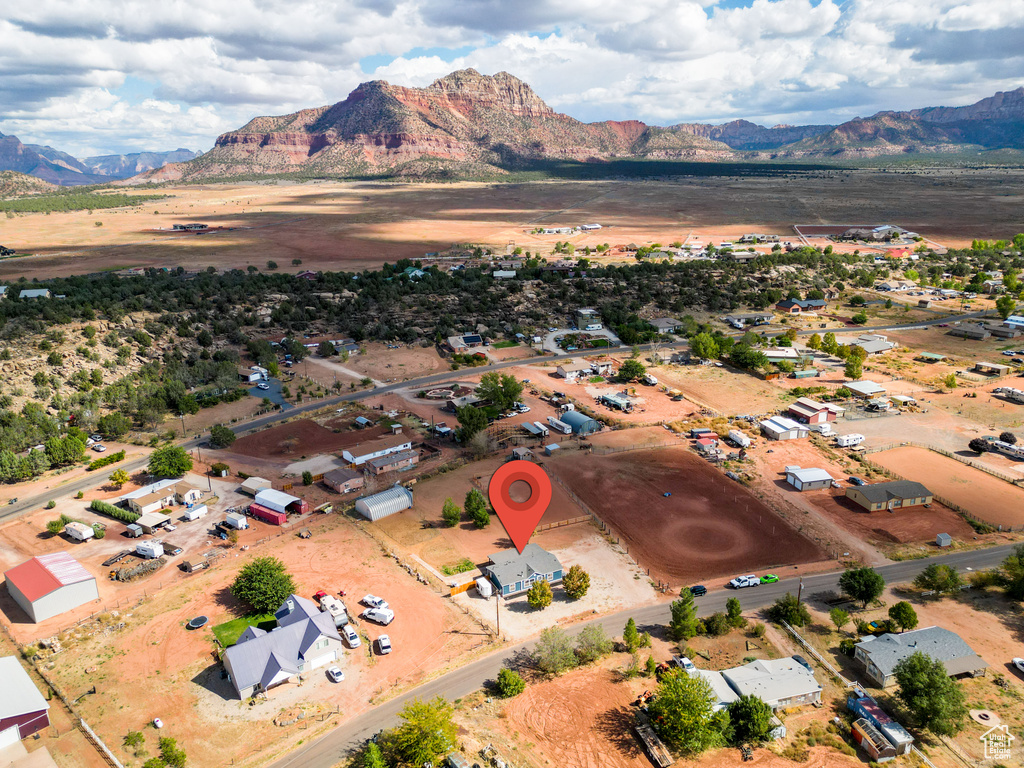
986,497
708,527
304,437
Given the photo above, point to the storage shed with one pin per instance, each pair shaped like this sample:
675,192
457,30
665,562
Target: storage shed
22,706
809,479
580,423
781,428
253,485
196,512
279,501
49,585
385,503
943,540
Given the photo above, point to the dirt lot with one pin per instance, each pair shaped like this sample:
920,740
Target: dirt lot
722,389
331,226
683,537
304,437
938,340
987,498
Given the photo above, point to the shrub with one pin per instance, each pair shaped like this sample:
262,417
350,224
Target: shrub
510,683
592,643
51,504
539,595
106,461
98,532
716,624
307,478
790,610
576,582
124,515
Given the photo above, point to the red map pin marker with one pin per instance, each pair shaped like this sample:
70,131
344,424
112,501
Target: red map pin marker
520,518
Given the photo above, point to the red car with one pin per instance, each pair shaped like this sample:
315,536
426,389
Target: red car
319,595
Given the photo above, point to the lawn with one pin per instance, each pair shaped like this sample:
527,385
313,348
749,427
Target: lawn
504,344
229,632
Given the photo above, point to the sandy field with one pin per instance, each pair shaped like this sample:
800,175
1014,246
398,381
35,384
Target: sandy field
725,390
686,536
332,225
987,498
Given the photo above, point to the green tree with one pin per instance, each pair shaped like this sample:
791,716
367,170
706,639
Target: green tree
509,683
553,653
221,436
450,513
829,343
940,578
854,368
372,757
263,584
426,734
903,615
326,349
839,617
683,624
171,753
704,346
814,342
751,719
630,636
169,461
539,596
501,390
471,421
682,712
631,370
651,666
1005,305
592,643
307,477
864,584
576,582
113,425
735,612
119,477
790,610
935,701
476,508
950,381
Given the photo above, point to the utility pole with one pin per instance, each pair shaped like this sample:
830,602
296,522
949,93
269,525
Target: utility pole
497,613
800,590
182,414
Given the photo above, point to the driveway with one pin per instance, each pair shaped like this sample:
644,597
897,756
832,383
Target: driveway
273,394
550,345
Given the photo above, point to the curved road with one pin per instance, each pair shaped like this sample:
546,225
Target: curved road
334,746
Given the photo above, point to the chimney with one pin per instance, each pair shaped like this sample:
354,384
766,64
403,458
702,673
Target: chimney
291,604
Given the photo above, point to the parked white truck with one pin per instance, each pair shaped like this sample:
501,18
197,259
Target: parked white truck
848,441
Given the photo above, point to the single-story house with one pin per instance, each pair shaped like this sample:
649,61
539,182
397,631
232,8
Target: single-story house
248,375
872,343
395,499
993,286
454,403
602,367
22,706
393,462
514,573
581,423
973,331
1003,330
796,306
49,585
344,479
813,412
780,683
724,695
163,495
253,485
1015,320
573,370
865,389
809,479
305,639
776,354
34,293
781,428
880,655
666,324
375,449
750,318
150,521
892,495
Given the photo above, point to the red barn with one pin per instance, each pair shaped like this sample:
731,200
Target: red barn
22,704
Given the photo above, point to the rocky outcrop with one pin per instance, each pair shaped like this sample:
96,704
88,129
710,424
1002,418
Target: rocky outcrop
745,135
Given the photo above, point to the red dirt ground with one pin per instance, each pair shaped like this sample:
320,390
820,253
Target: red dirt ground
308,436
984,496
685,536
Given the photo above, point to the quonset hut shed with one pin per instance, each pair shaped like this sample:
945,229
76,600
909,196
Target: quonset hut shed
384,503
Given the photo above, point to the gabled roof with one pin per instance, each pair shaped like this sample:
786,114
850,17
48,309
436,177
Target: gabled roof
948,647
509,566
342,475
295,609
148,489
880,493
772,679
781,424
810,475
44,574
392,458
865,387
20,694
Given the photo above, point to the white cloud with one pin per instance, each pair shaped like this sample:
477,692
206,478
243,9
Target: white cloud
71,71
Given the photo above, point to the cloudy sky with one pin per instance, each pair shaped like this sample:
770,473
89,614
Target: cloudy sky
104,76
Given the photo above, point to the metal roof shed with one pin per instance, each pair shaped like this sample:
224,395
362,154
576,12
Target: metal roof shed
49,585
385,503
22,704
278,501
581,423
254,485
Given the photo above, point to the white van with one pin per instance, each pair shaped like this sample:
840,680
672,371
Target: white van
378,615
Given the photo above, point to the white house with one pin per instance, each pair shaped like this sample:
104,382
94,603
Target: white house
375,449
574,370
779,683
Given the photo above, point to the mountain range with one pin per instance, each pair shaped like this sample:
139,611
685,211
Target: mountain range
58,167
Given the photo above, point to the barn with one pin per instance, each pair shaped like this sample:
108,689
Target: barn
49,585
581,423
282,502
809,479
22,705
384,503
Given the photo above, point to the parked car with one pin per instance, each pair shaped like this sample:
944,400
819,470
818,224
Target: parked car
802,662
99,448
351,636
769,578
97,437
262,385
335,674
684,663
698,590
1019,664
855,480
378,615
740,582
384,645
372,601
1009,352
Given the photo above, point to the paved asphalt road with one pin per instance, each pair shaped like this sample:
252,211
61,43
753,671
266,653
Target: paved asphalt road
332,747
89,481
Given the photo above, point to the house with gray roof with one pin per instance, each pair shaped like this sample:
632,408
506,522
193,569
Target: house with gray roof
514,573
304,639
880,655
891,495
779,683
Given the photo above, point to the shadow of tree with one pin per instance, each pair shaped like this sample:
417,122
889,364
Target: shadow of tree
616,726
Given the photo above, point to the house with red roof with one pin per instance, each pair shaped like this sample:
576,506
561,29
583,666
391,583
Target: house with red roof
49,585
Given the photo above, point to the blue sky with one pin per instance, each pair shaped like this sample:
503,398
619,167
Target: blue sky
94,77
